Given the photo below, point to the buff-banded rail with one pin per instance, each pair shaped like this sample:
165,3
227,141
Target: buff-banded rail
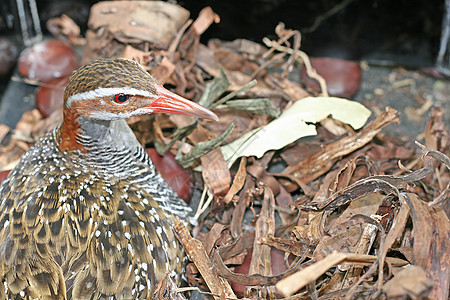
84,214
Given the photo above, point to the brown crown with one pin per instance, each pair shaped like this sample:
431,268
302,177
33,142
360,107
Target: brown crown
109,73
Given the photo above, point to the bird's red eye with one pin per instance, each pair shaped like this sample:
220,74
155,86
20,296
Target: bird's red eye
121,98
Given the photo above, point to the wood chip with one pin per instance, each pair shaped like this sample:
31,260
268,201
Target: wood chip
196,252
299,280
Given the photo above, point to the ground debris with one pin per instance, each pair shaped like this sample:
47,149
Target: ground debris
411,281
346,212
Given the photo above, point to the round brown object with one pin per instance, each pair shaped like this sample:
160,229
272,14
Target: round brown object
343,77
50,97
48,60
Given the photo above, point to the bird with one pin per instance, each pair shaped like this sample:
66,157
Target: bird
84,214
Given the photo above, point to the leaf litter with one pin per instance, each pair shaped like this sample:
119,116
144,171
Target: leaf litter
298,196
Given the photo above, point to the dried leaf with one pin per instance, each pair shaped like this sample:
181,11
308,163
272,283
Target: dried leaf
203,147
194,249
205,18
289,285
423,230
238,182
294,124
396,230
214,89
245,241
321,162
215,173
179,134
213,237
156,22
163,70
239,211
373,184
289,246
261,262
65,28
411,282
167,289
437,136
312,233
439,258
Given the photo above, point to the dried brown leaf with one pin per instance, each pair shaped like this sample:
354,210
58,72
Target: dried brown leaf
378,183
135,54
438,264
214,168
214,236
288,286
196,252
423,230
65,28
436,133
167,289
245,241
322,161
312,233
205,18
344,234
156,22
215,172
239,211
394,233
265,226
238,181
411,282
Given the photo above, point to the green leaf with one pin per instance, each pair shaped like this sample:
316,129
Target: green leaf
214,89
295,123
204,147
234,93
257,106
179,134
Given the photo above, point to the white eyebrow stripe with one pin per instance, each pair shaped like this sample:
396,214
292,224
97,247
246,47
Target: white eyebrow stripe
106,92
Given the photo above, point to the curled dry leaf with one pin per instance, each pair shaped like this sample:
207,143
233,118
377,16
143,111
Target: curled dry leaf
411,282
261,262
133,22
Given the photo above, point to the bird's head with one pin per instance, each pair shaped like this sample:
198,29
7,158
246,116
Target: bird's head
106,90
112,89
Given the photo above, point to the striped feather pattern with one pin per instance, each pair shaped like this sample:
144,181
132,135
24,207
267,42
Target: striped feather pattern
94,221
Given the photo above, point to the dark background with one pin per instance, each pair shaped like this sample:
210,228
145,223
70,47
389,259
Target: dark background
387,32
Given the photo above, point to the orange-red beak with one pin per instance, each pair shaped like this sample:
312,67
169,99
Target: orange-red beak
172,103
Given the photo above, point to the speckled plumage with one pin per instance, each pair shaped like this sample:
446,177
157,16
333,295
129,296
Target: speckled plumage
90,218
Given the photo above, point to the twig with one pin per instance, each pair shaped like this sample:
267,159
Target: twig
173,46
234,93
200,208
279,42
326,15
274,58
197,253
302,57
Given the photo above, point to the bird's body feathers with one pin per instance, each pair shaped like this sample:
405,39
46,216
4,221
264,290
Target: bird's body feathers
85,225
84,214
